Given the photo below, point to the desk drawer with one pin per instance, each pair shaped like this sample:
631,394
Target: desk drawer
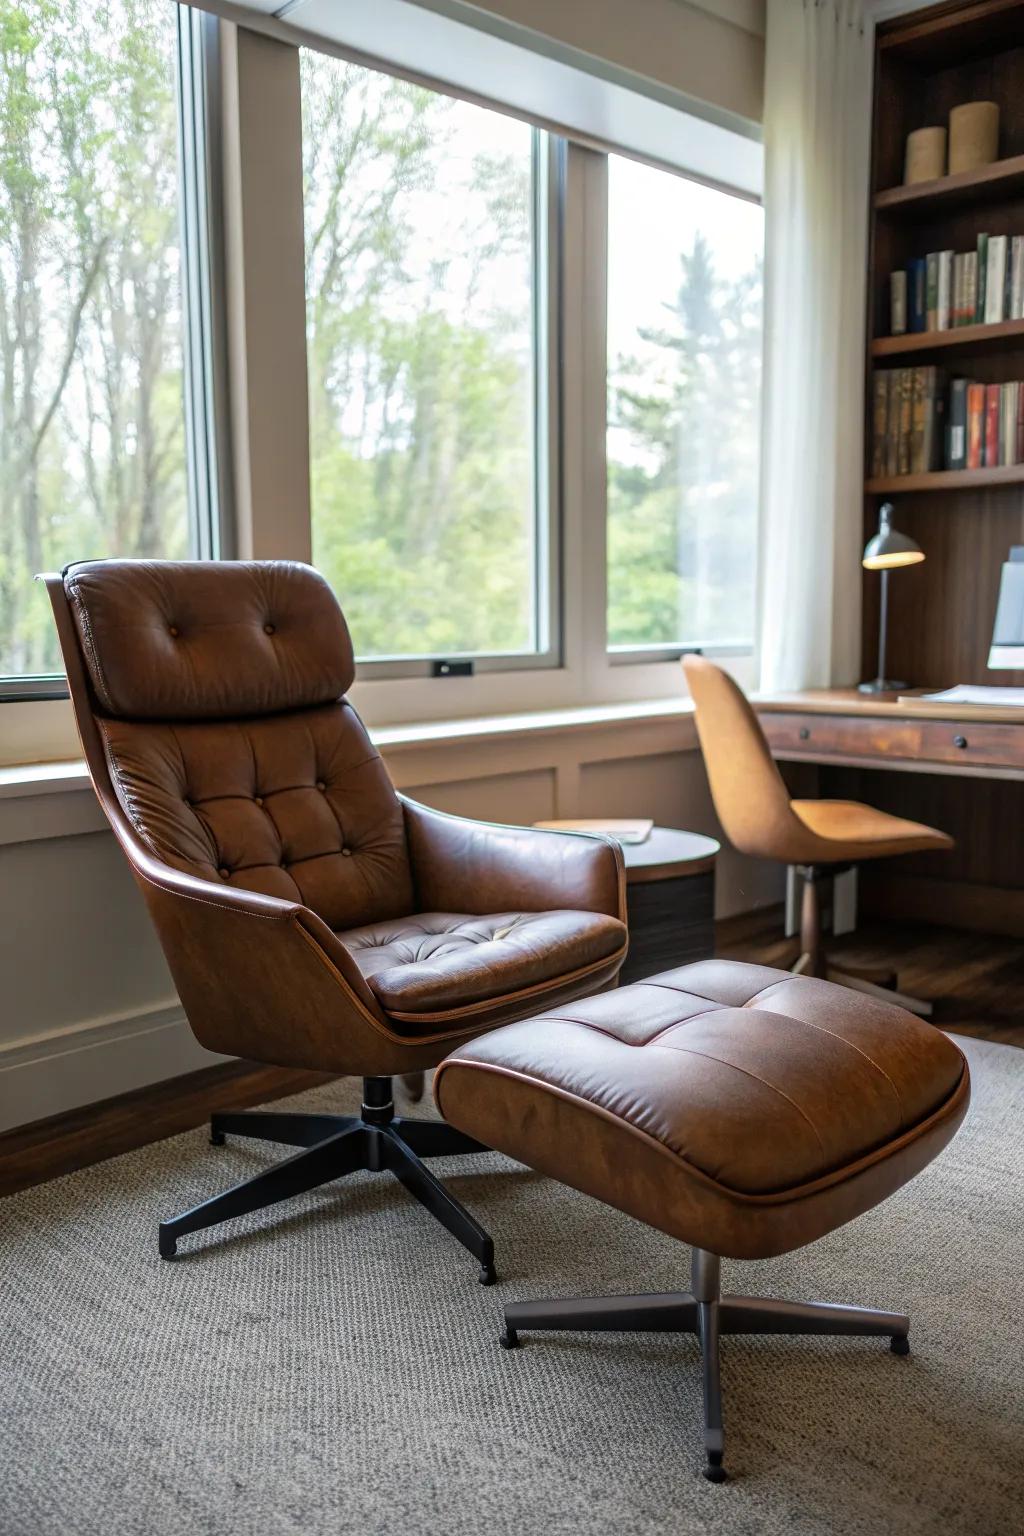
877,736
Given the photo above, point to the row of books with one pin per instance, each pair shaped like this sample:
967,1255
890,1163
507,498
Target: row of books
945,289
921,421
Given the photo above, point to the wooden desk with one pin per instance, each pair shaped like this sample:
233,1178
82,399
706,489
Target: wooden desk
856,730
912,759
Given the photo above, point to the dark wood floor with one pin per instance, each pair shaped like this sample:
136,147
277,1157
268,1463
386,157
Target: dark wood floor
31,1154
975,979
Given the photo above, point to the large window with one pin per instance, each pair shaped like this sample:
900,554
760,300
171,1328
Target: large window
429,512
684,369
92,413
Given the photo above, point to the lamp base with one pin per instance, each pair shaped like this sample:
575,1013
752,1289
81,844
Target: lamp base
882,685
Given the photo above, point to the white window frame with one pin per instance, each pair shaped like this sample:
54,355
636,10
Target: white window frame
204,384
590,672
547,177
268,517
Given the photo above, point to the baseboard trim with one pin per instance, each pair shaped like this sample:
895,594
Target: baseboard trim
46,1149
74,1065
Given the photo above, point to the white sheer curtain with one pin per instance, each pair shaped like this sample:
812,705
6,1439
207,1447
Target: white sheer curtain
817,142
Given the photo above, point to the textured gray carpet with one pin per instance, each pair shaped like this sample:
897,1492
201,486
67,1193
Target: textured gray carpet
333,1366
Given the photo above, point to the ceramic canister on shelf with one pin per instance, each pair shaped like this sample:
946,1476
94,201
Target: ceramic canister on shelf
973,135
926,155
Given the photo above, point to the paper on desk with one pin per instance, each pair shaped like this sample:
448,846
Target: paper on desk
967,693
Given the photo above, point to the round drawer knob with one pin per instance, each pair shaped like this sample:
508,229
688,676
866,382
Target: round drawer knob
959,741
805,734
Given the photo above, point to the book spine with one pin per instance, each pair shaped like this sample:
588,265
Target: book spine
1011,406
1016,304
931,302
959,264
892,431
916,306
906,420
970,287
975,425
1019,456
944,298
956,433
995,282
897,303
879,420
991,425
918,406
982,254
934,414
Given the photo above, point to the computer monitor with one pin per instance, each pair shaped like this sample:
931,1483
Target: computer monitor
1007,652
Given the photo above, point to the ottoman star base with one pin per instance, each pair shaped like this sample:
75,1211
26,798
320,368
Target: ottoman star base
705,1312
742,1110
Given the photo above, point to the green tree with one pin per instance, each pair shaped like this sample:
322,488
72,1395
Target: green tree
420,365
91,420
682,501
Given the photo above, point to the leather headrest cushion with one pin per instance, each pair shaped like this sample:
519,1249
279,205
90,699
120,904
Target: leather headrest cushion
208,639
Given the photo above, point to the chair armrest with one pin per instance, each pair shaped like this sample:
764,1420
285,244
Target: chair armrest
264,978
462,865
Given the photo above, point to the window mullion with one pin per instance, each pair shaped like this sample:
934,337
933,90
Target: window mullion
202,284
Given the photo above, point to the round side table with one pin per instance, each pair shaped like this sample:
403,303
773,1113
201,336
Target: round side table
670,901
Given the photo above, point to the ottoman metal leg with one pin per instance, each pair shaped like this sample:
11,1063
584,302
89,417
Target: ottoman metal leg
708,1314
667,1313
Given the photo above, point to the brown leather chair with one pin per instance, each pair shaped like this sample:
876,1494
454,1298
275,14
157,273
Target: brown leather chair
820,837
311,916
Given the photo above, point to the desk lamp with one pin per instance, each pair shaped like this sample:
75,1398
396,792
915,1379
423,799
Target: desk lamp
886,551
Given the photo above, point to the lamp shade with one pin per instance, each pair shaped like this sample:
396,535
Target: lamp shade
889,548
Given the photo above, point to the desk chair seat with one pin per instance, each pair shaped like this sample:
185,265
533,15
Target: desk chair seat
844,832
820,837
312,917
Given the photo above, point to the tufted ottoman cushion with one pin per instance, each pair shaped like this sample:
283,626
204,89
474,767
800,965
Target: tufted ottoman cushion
743,1110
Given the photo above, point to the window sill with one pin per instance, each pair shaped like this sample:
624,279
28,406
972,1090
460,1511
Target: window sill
20,779
43,781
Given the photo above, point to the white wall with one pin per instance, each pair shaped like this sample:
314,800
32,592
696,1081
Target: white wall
710,49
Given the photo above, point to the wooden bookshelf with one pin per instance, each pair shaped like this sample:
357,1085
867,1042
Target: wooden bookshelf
941,611
989,184
965,520
945,480
980,340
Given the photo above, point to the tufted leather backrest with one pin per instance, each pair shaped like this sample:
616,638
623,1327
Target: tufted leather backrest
216,690
208,639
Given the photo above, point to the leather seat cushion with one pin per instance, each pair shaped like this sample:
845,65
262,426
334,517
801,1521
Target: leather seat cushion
738,1107
441,965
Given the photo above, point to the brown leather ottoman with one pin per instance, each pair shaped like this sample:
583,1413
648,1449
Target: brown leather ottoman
743,1110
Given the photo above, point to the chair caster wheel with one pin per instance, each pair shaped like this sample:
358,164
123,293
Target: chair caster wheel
899,1344
488,1274
216,1138
168,1244
714,1471
509,1339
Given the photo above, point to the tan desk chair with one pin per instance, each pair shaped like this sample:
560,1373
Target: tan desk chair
311,916
819,837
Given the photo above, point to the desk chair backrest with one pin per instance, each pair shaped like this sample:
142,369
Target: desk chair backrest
747,788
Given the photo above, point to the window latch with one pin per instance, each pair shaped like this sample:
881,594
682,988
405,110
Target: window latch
451,669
